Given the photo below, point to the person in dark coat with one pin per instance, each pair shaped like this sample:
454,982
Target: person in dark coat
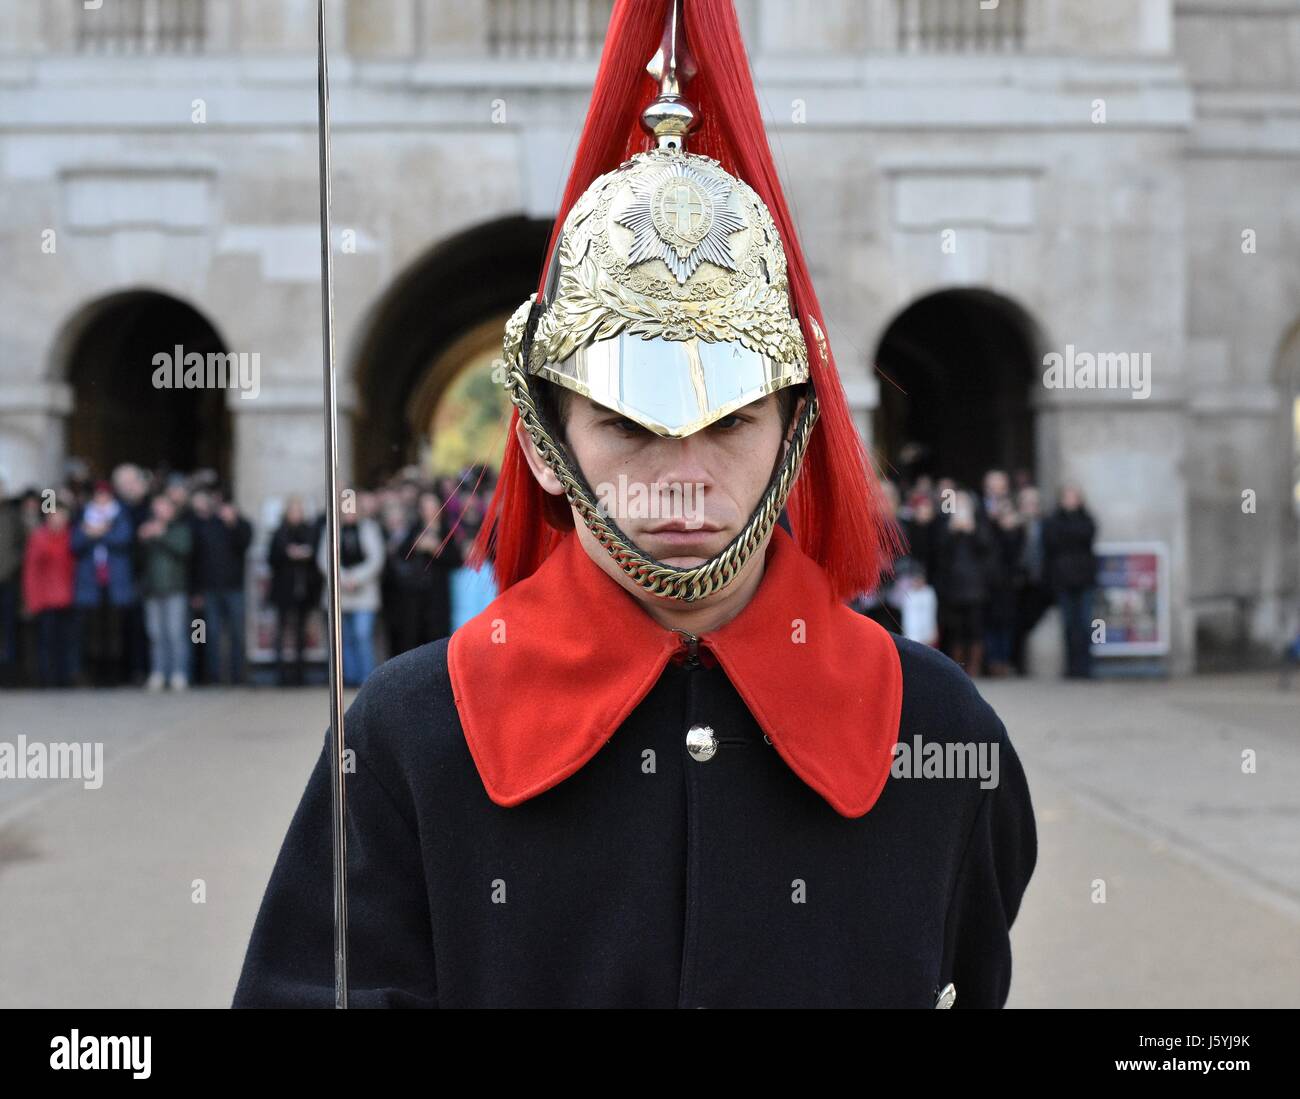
131,487
1007,540
922,531
221,540
395,521
649,877
963,554
1032,595
1071,570
295,587
667,766
420,568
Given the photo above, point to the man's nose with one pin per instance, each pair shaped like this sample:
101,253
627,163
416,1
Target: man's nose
688,460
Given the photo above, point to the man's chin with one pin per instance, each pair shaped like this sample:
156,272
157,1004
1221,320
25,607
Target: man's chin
683,550
683,562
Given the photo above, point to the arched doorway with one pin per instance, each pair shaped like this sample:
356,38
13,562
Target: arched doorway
107,354
957,371
431,340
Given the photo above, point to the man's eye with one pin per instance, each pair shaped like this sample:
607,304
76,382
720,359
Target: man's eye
628,427
727,423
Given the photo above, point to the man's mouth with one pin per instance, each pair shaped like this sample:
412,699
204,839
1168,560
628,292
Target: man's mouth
681,526
680,532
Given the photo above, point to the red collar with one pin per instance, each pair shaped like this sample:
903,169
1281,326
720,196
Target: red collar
548,672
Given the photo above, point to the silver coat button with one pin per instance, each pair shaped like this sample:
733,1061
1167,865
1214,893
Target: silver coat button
947,997
701,742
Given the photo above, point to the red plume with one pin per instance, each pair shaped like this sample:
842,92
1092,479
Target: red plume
837,508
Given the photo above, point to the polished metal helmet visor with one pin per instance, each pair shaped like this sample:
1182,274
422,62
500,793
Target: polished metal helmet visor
671,387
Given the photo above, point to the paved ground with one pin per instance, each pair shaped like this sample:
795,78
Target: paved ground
1137,784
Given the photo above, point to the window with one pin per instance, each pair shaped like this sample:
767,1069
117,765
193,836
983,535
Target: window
141,26
960,26
547,28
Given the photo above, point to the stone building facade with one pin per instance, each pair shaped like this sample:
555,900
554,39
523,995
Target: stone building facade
978,188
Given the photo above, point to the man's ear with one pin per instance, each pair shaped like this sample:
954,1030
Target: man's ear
794,421
544,474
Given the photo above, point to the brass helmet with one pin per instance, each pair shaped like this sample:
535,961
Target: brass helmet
666,301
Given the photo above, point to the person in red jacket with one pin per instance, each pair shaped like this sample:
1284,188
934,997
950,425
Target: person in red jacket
49,568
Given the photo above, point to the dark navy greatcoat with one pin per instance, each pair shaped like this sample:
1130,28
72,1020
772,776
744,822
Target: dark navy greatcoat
725,882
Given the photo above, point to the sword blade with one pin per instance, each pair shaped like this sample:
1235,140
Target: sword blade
332,525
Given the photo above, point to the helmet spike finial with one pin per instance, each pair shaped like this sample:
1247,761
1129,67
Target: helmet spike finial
671,117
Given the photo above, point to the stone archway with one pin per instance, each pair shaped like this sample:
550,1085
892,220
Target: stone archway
957,373
106,353
427,326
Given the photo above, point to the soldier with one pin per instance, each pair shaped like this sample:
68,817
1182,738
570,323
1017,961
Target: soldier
656,770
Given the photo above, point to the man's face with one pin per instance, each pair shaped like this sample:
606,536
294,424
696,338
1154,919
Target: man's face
128,482
705,486
680,500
